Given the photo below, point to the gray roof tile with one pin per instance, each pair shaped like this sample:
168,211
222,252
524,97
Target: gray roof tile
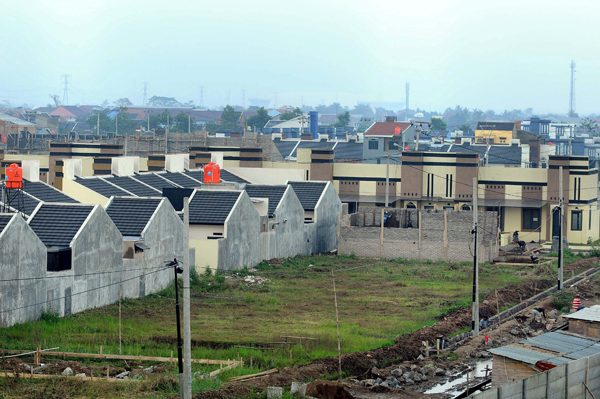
4,219
182,180
46,193
154,180
56,225
273,193
348,150
230,177
285,147
212,206
135,187
131,215
308,193
101,186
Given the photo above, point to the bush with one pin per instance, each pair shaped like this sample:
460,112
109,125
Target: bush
50,317
562,300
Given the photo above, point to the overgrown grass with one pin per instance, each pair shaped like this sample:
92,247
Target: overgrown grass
376,303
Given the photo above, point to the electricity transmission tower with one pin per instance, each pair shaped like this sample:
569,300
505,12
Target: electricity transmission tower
572,94
201,89
243,98
65,83
407,86
145,92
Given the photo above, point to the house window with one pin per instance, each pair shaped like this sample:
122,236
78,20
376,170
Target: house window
373,145
576,220
531,219
502,139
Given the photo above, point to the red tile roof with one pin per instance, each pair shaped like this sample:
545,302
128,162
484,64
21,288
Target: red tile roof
386,128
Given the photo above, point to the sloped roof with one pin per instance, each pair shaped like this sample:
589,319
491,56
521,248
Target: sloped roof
273,192
134,186
212,206
102,187
131,215
386,128
308,193
230,177
348,150
46,192
56,225
500,126
154,180
502,154
182,180
14,120
5,218
467,148
285,147
317,145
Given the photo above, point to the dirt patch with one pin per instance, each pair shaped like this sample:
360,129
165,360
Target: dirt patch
327,390
581,265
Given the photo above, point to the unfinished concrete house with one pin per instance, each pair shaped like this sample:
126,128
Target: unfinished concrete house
282,236
23,268
152,235
418,234
224,229
322,209
84,255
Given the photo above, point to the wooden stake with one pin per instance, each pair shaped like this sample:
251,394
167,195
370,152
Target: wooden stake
498,313
337,319
100,349
107,372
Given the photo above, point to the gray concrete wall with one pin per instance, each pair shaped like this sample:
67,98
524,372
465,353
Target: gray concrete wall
565,381
22,256
327,211
241,247
164,236
97,248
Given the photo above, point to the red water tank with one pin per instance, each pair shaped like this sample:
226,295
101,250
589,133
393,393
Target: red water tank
216,173
14,176
212,173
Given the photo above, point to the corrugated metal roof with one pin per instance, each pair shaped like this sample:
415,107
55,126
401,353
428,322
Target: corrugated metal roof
555,347
588,314
15,120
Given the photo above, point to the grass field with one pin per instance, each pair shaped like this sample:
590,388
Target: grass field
376,303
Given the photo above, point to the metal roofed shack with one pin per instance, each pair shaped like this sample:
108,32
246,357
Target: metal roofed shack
585,322
538,354
152,233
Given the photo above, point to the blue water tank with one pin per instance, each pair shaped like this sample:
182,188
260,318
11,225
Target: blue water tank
313,120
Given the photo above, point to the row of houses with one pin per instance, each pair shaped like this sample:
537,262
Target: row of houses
68,257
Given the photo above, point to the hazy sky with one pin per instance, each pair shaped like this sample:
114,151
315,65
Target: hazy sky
498,55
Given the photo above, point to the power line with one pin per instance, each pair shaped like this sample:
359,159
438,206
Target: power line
73,275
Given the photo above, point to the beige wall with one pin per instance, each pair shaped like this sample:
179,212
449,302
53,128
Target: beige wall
268,175
207,254
201,231
82,193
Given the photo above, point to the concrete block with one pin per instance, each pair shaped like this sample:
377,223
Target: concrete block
299,388
556,382
274,392
489,394
513,390
535,386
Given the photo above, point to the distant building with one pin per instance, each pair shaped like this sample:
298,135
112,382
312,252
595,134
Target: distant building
495,132
387,138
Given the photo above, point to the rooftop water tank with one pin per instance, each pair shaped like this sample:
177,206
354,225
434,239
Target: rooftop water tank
14,176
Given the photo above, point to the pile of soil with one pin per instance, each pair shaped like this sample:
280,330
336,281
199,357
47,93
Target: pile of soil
580,266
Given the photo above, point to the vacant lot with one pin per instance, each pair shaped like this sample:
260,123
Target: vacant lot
377,299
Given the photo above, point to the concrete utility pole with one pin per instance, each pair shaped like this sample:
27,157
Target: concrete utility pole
387,183
418,129
560,223
475,307
167,136
187,332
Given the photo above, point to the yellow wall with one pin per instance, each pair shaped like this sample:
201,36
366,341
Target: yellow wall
82,193
207,254
482,135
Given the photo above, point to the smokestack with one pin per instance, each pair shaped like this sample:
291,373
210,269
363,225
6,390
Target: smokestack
313,120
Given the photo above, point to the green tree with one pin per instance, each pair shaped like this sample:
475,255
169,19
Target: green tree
183,122
123,102
438,124
465,127
589,125
159,121
291,115
106,124
230,118
343,120
260,119
123,123
159,101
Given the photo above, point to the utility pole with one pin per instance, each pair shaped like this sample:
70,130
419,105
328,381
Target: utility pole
187,331
572,93
387,183
201,96
418,129
560,223
475,306
167,136
177,270
98,127
407,88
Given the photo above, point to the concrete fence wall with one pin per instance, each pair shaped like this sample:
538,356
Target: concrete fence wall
564,381
434,235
